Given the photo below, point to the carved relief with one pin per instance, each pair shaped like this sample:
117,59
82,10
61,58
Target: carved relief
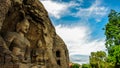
28,38
18,43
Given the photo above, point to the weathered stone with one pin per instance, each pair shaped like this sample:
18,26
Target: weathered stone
17,43
39,44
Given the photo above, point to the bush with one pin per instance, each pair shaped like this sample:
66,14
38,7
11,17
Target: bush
75,66
85,66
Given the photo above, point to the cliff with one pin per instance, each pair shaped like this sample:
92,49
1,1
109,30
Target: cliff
46,48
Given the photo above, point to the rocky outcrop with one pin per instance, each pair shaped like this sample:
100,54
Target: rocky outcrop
28,38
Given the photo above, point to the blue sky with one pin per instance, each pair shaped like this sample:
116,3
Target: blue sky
79,23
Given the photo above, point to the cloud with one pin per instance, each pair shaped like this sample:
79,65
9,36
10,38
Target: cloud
57,9
78,40
95,11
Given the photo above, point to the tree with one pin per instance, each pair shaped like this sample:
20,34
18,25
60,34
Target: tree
112,29
98,59
75,65
112,32
85,66
114,55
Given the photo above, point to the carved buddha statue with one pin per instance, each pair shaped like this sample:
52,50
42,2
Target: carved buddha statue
18,43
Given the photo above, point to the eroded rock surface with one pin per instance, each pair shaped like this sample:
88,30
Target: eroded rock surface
33,46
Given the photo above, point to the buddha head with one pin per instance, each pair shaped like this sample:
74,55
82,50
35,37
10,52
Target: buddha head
23,26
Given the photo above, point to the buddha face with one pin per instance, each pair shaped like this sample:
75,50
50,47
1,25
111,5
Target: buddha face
23,26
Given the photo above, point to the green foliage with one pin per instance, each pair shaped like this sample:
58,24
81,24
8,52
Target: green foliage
98,59
110,65
85,66
112,32
75,65
114,54
112,29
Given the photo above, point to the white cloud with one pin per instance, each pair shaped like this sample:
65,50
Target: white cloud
94,11
57,9
79,41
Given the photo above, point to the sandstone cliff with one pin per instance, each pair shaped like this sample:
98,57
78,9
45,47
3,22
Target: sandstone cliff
47,49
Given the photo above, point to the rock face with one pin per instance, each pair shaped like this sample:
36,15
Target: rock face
28,38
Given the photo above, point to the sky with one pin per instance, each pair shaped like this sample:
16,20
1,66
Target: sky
79,23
